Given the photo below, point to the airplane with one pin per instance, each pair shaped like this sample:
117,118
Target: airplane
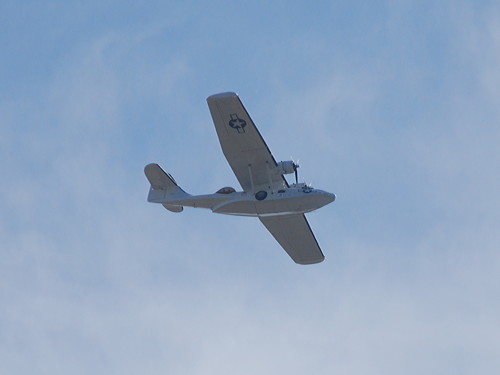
266,193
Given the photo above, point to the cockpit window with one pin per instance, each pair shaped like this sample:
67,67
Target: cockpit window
225,190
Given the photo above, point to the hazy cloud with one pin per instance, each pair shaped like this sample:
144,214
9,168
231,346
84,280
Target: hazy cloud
94,279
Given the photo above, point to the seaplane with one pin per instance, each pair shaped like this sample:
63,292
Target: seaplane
265,194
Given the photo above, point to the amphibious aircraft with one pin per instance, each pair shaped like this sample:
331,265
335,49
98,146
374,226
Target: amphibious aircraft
266,193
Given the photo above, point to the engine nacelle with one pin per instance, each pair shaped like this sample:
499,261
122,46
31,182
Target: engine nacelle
286,167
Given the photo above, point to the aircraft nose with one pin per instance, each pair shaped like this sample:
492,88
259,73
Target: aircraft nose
331,197
328,197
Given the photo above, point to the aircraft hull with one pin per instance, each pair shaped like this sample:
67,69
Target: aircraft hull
242,204
274,207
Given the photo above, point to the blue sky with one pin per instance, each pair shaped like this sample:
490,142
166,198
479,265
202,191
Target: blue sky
391,105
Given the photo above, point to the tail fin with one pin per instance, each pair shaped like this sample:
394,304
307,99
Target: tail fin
163,187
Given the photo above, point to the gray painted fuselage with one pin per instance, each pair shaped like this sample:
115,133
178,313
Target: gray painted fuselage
292,200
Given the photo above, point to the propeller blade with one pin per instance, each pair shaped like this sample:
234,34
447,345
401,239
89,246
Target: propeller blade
295,166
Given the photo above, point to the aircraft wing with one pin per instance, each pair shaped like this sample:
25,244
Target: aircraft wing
295,236
242,145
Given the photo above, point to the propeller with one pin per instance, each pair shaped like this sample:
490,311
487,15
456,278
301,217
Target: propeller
295,167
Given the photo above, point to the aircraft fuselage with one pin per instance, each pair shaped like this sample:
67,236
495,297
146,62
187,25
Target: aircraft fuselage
293,200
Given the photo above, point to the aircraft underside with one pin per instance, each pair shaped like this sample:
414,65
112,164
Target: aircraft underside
266,193
243,204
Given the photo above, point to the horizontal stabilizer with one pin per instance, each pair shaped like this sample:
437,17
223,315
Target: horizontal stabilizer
173,208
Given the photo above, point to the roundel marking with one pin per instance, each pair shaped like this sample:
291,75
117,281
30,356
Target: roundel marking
237,123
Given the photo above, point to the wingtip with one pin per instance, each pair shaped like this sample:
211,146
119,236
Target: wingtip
310,261
149,167
222,95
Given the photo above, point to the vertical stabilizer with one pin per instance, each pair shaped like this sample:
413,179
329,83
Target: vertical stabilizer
163,186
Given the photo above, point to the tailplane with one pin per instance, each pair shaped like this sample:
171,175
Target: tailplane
163,188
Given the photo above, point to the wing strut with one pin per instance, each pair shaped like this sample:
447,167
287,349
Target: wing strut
269,177
251,178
